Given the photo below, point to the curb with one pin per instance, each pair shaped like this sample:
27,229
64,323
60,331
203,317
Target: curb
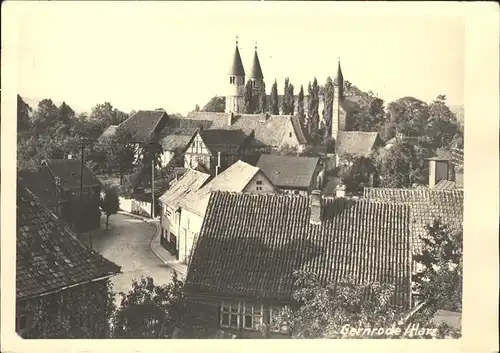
153,239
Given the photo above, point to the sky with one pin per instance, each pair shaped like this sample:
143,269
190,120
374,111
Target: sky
174,55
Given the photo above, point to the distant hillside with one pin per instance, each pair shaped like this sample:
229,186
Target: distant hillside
458,110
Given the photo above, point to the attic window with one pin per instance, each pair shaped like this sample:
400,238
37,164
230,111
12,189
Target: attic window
290,134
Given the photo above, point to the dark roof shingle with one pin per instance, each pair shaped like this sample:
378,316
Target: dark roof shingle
237,65
250,244
49,255
288,171
68,170
41,183
356,143
142,125
425,206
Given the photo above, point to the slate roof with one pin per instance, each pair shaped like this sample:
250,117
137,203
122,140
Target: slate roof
235,178
289,171
190,182
256,69
425,206
357,143
143,124
237,65
266,132
49,255
68,170
250,244
42,184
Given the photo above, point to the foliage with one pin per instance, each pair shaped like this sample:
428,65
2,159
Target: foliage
152,311
300,106
23,115
288,99
370,117
326,309
197,108
328,107
443,125
273,100
440,284
249,98
82,311
262,99
407,116
355,172
312,110
110,203
404,164
215,104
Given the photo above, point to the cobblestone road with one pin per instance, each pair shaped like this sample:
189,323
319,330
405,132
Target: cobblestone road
127,244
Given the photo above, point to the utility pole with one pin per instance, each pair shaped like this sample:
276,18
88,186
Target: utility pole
80,206
152,184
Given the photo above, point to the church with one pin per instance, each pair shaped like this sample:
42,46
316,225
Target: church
342,106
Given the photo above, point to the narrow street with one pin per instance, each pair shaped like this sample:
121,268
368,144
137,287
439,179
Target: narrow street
127,243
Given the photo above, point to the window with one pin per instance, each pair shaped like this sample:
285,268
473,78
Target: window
230,315
259,182
252,316
290,134
167,212
258,188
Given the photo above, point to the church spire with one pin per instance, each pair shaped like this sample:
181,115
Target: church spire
237,65
339,80
256,72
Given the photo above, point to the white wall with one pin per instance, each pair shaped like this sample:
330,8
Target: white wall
190,225
259,184
166,157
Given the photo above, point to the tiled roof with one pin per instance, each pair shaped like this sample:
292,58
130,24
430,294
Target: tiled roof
41,183
445,185
256,69
110,131
288,171
250,244
190,182
237,65
49,255
357,143
174,142
425,205
267,131
144,123
68,170
235,178
223,140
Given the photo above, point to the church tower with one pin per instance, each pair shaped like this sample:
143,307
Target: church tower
338,114
256,75
235,100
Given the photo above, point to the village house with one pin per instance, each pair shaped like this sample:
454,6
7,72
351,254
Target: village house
426,205
188,183
291,174
355,144
240,177
250,245
215,150
54,269
84,212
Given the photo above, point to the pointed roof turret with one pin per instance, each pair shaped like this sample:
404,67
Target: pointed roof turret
339,79
237,66
256,69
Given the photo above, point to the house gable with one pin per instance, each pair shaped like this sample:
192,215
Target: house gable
260,183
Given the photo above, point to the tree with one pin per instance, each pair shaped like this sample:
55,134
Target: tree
273,106
290,99
327,110
249,98
300,106
262,99
110,203
215,104
23,115
197,108
408,116
370,117
326,310
443,124
312,111
355,172
404,164
149,310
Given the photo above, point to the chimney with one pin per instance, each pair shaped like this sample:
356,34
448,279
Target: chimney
438,170
315,205
372,178
340,191
230,119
